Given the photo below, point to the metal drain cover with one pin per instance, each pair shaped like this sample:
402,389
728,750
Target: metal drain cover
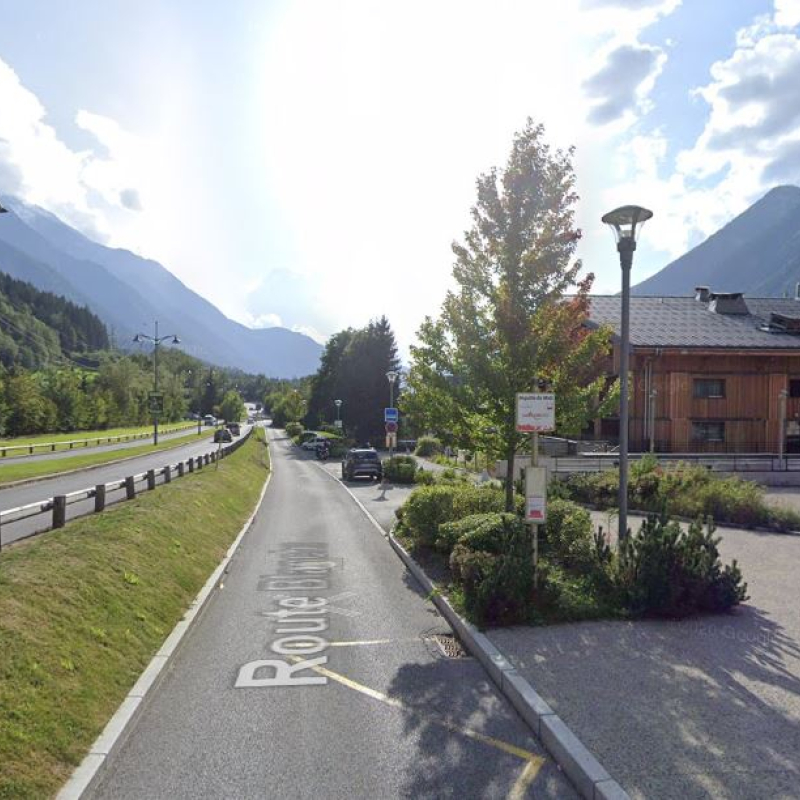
449,645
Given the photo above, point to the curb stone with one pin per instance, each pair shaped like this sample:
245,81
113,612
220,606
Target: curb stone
108,744
588,776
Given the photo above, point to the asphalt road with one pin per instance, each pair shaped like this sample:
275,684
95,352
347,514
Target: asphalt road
374,709
95,448
16,496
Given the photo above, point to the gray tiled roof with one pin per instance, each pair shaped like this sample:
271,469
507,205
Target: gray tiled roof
686,322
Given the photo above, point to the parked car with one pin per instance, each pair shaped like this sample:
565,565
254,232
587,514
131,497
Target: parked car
311,444
209,419
222,435
234,428
362,463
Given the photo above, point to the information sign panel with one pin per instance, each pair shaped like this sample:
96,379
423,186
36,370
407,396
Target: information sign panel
536,412
536,494
391,415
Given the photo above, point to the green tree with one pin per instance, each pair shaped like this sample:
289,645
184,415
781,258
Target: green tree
506,327
232,406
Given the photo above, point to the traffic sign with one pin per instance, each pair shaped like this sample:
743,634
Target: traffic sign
391,427
391,415
536,413
391,440
156,402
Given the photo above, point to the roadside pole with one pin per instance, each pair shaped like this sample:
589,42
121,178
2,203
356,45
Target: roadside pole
535,413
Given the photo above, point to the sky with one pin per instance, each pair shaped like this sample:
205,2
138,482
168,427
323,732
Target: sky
308,163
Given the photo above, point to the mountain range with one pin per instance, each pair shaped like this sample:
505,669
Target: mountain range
757,253
128,292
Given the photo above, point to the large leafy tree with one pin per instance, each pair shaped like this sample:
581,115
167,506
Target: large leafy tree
507,326
353,369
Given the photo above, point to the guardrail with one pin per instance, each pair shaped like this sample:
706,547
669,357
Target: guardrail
53,446
58,503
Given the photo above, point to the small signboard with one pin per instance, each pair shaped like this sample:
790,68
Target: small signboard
391,427
536,412
391,440
391,415
337,423
156,402
536,495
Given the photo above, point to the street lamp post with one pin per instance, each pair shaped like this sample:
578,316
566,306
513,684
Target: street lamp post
156,340
391,376
625,222
782,395
338,404
653,395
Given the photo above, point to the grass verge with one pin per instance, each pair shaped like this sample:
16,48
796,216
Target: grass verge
84,609
20,470
80,436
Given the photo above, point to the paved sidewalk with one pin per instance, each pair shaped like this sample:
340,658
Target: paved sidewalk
703,708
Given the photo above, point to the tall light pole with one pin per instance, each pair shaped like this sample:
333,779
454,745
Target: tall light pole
338,404
391,376
156,340
652,426
625,222
782,395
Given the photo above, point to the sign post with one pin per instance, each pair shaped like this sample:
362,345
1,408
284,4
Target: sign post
536,413
391,416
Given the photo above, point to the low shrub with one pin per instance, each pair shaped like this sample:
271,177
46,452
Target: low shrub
664,571
294,429
424,477
430,506
484,531
569,540
400,469
564,596
428,446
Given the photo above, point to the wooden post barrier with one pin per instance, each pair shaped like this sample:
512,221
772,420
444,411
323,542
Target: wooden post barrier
167,474
181,468
190,462
99,497
59,511
130,488
199,462
151,479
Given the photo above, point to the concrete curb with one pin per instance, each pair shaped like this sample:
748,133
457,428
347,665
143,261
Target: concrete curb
586,773
108,744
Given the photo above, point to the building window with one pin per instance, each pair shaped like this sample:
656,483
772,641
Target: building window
709,387
794,387
708,431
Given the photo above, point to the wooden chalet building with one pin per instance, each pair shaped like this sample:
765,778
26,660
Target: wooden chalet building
708,372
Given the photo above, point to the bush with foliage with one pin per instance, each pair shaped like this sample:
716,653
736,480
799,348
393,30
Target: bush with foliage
294,429
492,562
428,446
568,536
424,477
666,571
400,469
683,489
430,506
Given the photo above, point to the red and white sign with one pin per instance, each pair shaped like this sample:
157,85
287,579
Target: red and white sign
536,494
536,413
391,427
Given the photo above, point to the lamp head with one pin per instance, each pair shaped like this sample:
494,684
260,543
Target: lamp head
337,403
3,210
391,376
175,340
137,338
626,223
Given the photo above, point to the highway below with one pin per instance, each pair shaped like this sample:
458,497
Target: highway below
15,496
97,448
315,673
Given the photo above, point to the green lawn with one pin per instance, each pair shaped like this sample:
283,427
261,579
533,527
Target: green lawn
91,436
83,610
20,469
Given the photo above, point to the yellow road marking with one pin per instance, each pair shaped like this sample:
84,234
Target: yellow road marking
525,779
531,768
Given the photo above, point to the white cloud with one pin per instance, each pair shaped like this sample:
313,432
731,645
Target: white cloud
787,13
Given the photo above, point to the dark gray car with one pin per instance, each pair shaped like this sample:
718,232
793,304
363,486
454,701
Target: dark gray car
362,463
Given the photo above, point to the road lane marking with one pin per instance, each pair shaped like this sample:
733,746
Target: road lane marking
371,641
498,744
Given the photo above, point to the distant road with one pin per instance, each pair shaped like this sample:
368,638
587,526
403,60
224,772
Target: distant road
40,490
95,448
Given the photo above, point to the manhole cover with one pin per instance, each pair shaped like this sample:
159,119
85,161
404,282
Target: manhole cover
449,645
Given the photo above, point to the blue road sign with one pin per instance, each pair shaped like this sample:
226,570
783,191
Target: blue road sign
391,415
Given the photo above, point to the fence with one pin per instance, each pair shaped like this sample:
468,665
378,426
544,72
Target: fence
719,462
57,505
71,444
